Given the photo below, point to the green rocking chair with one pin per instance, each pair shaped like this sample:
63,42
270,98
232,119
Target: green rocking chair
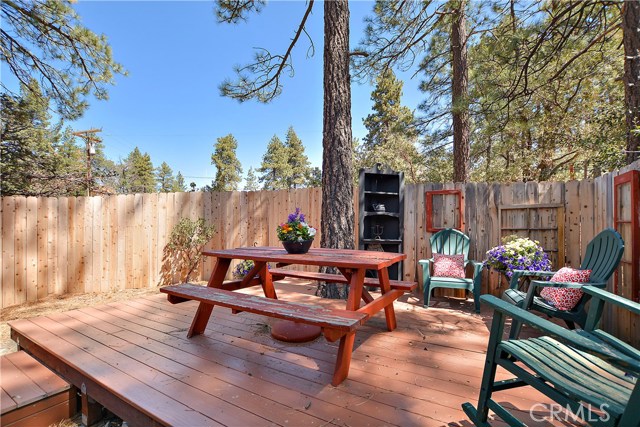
602,258
451,242
589,373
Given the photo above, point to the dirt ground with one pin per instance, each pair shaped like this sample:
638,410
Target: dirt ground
56,304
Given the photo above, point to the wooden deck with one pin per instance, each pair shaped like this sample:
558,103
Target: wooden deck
134,358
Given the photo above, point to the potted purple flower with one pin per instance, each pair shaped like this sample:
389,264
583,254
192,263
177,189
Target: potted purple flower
295,234
517,253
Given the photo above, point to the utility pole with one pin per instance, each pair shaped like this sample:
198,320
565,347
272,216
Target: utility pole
90,139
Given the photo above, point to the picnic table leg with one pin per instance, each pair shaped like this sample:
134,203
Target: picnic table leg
267,283
366,296
385,286
203,314
343,360
356,285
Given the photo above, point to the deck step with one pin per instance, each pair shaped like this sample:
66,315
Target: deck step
339,278
342,320
32,394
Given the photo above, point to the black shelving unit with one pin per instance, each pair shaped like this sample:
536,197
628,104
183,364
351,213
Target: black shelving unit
382,228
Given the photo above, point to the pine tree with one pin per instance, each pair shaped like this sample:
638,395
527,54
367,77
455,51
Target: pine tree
390,117
38,37
314,177
138,174
228,167
298,161
36,157
275,166
391,138
251,181
178,184
164,175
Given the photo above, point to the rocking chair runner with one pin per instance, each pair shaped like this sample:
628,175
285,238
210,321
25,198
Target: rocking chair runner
451,242
602,258
590,372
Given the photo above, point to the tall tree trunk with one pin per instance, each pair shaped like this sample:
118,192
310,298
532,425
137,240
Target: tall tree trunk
337,225
460,98
631,40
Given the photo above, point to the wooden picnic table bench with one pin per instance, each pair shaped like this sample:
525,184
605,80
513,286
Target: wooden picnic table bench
335,324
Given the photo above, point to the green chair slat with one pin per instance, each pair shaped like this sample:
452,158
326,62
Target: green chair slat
592,389
603,255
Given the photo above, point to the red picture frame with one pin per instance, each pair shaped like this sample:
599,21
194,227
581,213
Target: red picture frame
429,205
633,179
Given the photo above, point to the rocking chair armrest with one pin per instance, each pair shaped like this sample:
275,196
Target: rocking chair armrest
569,285
517,274
606,352
535,284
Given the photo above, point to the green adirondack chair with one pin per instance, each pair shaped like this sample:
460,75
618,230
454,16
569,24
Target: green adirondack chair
602,258
451,242
580,370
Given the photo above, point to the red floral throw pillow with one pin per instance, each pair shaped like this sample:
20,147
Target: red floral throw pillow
564,298
448,265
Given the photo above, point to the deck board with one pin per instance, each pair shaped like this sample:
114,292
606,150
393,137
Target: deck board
237,374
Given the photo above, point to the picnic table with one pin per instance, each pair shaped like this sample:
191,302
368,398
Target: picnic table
334,323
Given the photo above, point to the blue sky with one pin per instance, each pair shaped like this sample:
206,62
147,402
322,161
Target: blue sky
177,55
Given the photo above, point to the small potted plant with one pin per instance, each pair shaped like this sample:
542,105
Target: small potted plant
517,253
295,234
243,269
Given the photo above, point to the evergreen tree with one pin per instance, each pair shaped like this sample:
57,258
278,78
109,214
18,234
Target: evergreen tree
251,181
298,161
179,185
38,36
138,173
275,168
314,177
36,157
570,119
391,138
164,175
389,116
228,167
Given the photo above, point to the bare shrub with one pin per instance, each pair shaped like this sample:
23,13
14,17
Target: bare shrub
182,256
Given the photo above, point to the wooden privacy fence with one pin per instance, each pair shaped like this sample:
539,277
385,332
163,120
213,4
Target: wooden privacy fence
99,244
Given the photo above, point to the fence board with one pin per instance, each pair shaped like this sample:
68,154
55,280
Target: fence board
572,224
21,250
97,254
588,226
31,247
103,230
63,258
410,223
52,245
41,239
8,252
117,247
